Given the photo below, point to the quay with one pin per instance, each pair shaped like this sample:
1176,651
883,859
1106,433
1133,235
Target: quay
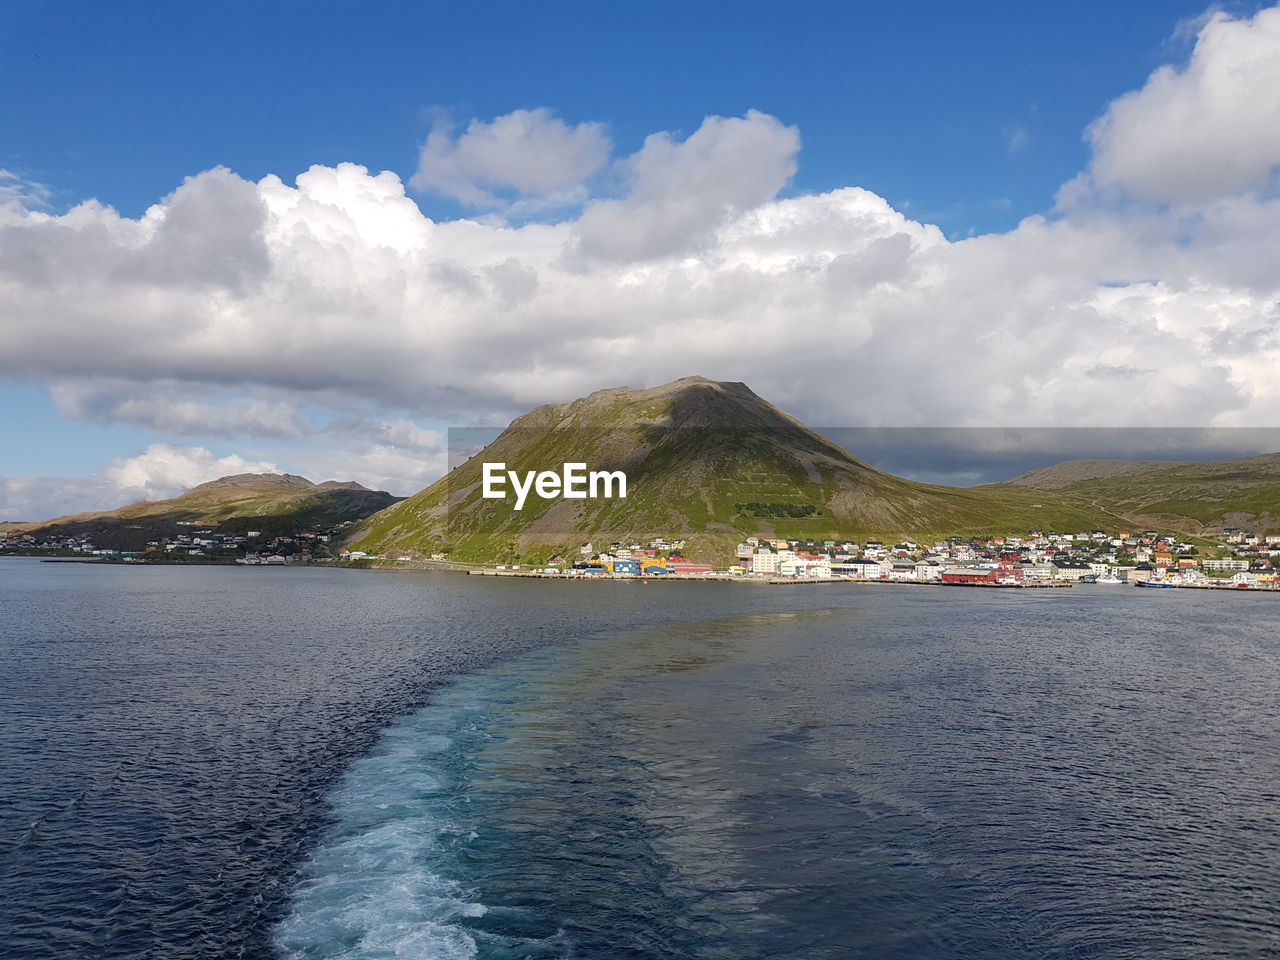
787,582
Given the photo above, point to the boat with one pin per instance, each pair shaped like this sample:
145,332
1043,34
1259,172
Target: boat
1109,579
1156,583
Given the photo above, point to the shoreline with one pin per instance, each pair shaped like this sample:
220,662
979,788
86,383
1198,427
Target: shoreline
815,581
447,567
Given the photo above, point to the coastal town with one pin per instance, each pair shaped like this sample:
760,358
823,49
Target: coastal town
201,542
1235,559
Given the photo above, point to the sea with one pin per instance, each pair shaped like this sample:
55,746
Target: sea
308,763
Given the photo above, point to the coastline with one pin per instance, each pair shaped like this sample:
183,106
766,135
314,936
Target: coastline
815,581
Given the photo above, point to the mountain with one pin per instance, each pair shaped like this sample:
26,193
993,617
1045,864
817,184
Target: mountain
276,504
707,461
1195,498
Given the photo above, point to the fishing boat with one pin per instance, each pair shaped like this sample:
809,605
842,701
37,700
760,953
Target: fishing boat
1156,583
1109,579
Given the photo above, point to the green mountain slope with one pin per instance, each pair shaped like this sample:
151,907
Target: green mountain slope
707,461
1196,498
276,504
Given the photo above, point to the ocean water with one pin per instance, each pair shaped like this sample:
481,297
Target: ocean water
889,773
324,764
169,736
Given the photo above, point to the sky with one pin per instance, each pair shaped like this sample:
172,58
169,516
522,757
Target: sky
311,238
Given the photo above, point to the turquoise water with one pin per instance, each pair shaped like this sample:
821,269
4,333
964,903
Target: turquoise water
879,773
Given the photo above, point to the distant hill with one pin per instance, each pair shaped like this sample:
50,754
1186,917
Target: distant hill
707,461
276,504
1195,498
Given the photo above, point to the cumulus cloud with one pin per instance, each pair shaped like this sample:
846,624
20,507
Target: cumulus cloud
250,301
532,153
1200,132
162,471
681,191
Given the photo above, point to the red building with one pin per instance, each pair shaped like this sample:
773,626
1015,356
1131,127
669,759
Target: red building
688,566
981,575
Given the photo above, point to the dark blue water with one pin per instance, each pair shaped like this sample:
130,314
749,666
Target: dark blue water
169,736
240,762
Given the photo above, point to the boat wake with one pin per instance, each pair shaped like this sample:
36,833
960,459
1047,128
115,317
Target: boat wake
380,884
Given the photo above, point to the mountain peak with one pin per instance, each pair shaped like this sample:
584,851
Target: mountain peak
238,481
341,485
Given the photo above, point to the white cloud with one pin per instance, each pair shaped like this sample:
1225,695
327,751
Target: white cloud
18,191
1205,131
531,152
682,191
162,471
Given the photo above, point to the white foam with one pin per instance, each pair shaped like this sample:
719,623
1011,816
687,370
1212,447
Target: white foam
372,888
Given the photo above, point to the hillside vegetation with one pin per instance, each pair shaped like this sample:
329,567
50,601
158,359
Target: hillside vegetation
276,504
1196,498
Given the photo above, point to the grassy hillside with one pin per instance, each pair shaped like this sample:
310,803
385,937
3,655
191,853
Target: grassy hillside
275,504
710,462
1197,498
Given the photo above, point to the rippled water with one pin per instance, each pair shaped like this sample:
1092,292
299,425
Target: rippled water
894,773
169,736
217,762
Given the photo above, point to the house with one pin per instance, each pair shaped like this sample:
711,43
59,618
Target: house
688,567
902,570
1225,566
768,563
1071,569
928,570
866,568
804,567
973,575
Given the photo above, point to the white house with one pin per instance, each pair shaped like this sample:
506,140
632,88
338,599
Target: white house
867,568
800,567
769,563
1225,566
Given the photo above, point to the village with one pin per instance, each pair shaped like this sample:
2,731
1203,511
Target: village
1235,559
203,543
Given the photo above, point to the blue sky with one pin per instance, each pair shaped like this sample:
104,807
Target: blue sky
968,118
968,115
